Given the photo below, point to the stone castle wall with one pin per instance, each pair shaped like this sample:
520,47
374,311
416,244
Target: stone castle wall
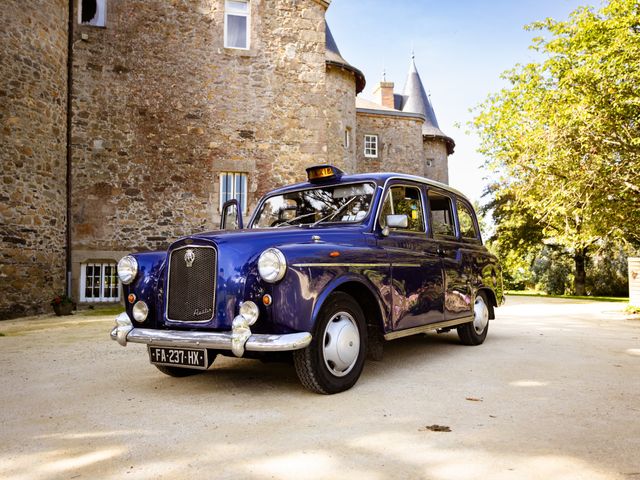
161,107
400,146
436,165
33,92
341,116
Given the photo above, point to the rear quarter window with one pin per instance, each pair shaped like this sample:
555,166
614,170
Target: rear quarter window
466,220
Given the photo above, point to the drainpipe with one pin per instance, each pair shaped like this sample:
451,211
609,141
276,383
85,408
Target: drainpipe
69,156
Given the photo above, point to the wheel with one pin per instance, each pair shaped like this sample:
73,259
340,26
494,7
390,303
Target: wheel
474,333
334,360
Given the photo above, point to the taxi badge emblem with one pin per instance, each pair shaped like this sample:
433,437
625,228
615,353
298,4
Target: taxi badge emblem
189,258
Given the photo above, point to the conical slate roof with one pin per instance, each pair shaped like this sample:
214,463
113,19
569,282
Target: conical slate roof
415,100
334,58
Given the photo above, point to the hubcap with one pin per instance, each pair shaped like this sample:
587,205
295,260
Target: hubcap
341,344
480,315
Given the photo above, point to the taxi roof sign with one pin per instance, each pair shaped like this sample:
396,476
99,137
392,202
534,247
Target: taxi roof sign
321,173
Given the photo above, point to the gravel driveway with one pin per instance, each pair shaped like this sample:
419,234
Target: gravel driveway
554,393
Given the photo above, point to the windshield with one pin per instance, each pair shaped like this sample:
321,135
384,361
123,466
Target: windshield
330,204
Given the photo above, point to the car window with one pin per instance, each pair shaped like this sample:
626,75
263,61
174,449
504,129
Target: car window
404,200
467,225
441,215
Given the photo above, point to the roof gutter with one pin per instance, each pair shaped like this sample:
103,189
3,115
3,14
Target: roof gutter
391,113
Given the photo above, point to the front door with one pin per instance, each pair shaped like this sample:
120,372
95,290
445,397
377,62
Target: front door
417,287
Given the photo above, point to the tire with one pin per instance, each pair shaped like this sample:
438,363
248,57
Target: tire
475,332
333,362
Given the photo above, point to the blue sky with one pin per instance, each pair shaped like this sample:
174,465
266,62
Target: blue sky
461,49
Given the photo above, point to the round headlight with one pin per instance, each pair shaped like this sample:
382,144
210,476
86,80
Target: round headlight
272,265
249,311
127,269
140,311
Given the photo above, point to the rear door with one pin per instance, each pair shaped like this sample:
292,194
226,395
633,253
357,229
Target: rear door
417,287
456,263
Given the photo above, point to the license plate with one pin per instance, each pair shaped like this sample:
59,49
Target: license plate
183,357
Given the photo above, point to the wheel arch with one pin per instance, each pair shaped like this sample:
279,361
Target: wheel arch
361,292
493,301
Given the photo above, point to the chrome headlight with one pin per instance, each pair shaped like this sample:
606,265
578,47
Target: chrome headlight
272,265
140,311
127,269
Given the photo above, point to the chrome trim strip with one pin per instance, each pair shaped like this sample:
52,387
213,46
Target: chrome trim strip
215,287
214,340
427,328
356,265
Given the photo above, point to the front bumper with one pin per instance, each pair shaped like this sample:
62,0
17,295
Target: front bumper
238,340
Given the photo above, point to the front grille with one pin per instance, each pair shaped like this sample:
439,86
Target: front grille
192,288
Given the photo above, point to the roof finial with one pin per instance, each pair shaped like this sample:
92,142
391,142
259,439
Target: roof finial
413,51
384,74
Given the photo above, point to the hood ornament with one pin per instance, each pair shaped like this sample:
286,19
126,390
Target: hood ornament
189,258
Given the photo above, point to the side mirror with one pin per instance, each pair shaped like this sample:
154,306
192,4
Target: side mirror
397,221
231,216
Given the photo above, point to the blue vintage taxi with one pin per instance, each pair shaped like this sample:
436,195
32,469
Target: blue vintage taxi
324,273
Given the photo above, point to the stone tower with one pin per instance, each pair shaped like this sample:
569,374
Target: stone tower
33,93
437,145
400,132
344,82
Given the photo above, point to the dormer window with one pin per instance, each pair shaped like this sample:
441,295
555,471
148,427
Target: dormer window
93,12
236,24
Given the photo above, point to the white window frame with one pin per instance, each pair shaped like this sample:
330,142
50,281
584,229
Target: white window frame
244,184
230,10
371,146
83,283
100,19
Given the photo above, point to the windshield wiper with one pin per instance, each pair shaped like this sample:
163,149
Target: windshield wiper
331,215
288,222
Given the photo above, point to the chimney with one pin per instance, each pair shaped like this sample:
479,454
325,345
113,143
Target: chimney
384,94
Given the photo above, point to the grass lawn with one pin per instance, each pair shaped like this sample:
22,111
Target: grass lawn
102,310
533,293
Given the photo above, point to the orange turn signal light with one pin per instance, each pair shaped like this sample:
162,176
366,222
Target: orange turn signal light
131,298
266,299
334,254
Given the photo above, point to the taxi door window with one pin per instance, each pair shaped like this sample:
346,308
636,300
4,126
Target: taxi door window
467,225
403,200
441,215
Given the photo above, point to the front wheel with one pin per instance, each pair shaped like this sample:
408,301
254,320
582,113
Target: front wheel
475,332
334,360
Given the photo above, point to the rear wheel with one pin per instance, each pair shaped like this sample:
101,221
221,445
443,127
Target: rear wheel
334,360
475,332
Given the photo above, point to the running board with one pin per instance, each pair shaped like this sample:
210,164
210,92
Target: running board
427,328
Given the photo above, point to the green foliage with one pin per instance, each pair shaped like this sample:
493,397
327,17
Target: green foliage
552,272
607,272
563,138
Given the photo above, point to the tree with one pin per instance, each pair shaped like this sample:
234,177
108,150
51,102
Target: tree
563,138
